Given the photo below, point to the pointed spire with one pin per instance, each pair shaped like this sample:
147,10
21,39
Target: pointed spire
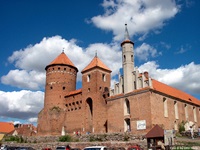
126,35
96,53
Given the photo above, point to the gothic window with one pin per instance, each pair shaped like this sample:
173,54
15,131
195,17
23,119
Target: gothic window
63,87
58,68
126,107
88,78
195,115
186,111
165,107
132,58
176,109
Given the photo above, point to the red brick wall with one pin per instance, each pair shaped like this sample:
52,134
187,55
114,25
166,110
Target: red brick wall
59,82
94,90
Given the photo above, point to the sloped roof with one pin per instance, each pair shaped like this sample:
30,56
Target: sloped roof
96,62
74,92
161,87
6,127
61,59
156,131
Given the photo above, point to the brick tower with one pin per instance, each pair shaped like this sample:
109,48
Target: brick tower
96,83
60,80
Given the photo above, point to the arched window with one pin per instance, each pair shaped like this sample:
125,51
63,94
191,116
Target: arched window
88,78
124,58
126,107
103,77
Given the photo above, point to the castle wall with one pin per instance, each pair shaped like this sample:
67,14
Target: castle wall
175,115
74,113
139,110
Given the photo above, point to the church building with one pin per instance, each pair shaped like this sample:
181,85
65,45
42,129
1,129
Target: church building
135,104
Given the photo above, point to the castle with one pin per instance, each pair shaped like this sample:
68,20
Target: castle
136,103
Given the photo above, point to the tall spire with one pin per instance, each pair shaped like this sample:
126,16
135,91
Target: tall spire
126,35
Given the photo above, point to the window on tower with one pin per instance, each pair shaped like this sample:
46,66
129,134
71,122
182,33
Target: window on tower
124,58
104,77
88,78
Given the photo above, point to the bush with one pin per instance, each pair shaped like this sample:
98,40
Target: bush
65,138
18,139
181,126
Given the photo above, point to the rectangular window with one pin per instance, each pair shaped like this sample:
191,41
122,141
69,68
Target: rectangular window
176,109
165,107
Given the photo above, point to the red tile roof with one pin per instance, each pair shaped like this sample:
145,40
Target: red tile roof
62,59
74,92
96,62
163,88
6,127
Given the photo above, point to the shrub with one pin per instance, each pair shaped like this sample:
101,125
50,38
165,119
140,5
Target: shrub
65,138
182,126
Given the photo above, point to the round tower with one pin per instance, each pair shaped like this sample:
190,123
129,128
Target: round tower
60,80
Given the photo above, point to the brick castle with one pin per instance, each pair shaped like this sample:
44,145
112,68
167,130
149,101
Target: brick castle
136,103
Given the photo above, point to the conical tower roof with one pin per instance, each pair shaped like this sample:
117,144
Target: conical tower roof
96,62
126,37
62,59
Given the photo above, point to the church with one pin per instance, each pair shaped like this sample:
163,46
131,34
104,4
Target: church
135,104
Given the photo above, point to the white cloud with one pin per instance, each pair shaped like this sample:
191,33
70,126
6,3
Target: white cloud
141,16
145,51
21,104
185,77
24,79
32,60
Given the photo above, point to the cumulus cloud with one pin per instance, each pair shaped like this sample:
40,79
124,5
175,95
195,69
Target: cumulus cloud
24,79
31,61
21,104
185,77
145,51
141,16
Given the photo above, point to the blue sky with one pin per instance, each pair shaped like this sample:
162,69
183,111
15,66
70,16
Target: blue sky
32,33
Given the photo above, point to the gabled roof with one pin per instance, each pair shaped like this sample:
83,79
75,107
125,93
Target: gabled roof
96,62
163,88
156,131
6,127
62,59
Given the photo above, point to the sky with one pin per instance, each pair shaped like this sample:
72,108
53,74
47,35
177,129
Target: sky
33,33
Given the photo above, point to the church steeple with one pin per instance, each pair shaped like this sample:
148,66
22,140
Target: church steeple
128,62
